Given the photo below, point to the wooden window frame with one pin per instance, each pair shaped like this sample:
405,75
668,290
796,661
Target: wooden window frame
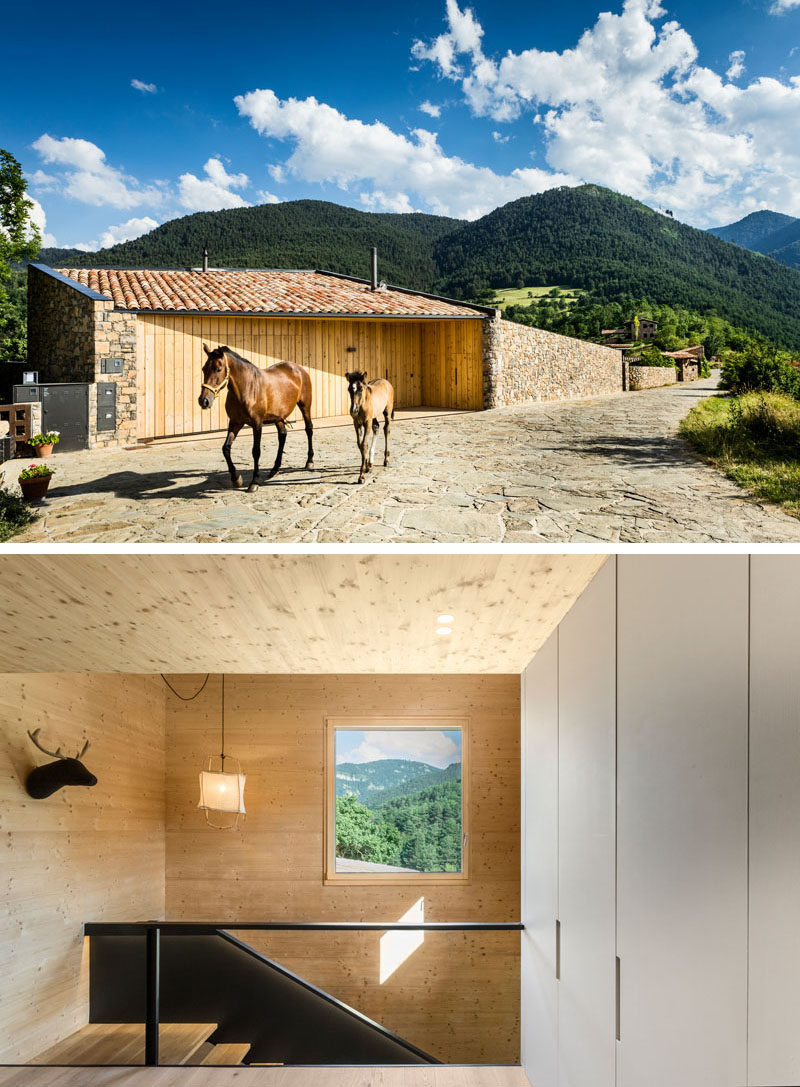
376,723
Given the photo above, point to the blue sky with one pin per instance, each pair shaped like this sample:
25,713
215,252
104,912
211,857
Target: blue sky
433,746
445,107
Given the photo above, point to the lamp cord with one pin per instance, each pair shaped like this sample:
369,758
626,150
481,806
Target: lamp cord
222,753
191,697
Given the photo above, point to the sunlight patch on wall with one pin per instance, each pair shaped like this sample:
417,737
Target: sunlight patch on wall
396,947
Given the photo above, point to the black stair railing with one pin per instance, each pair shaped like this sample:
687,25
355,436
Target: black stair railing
153,931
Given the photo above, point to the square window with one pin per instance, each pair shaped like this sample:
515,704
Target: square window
396,800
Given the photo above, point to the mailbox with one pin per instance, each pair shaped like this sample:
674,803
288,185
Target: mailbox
111,366
106,405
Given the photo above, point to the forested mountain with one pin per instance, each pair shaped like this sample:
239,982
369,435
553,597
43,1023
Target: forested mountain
297,234
754,229
616,248
375,782
768,232
611,246
399,812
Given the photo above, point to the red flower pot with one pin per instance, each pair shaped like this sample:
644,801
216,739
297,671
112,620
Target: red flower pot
33,490
44,450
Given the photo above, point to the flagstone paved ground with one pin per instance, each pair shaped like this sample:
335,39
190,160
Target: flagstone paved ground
610,469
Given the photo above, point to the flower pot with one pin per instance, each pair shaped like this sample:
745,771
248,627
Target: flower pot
44,450
33,490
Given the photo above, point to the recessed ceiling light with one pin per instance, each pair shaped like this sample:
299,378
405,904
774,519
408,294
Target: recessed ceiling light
444,619
444,630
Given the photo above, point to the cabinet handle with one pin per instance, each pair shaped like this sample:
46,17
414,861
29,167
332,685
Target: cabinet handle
558,951
617,998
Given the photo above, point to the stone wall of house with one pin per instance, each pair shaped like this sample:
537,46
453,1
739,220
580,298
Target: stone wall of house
521,363
651,377
688,371
70,332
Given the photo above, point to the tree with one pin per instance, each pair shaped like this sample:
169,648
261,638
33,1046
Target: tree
19,240
360,836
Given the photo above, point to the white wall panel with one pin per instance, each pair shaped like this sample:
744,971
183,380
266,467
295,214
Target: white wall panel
539,1011
774,1028
682,820
587,803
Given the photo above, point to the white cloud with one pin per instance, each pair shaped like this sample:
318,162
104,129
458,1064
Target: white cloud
330,147
212,192
780,7
463,35
430,109
265,197
430,746
145,88
498,137
126,232
736,66
630,106
41,180
39,220
86,176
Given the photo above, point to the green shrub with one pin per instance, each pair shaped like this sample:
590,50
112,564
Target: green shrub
651,356
14,514
760,368
755,440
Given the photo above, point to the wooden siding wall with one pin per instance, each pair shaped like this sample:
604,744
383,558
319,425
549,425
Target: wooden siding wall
171,356
81,855
452,369
457,996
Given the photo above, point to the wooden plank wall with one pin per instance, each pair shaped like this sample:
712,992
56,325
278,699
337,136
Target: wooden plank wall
458,995
83,854
452,370
171,356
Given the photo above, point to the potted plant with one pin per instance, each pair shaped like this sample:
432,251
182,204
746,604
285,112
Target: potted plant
34,481
42,444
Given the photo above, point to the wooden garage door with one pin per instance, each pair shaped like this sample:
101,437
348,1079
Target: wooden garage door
433,362
453,364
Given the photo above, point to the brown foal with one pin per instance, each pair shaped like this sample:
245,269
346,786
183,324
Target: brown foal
256,397
367,403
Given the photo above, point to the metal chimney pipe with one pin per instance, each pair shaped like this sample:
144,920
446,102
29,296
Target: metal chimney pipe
205,259
373,261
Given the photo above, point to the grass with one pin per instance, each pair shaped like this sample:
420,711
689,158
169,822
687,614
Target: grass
755,440
14,514
524,296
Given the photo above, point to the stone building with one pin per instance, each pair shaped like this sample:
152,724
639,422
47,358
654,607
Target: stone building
143,332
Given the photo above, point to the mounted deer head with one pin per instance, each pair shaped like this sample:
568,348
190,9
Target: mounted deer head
48,779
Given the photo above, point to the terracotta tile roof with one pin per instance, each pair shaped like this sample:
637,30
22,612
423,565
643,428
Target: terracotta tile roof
244,291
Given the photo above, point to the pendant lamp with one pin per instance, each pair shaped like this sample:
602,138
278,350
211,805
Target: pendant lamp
222,791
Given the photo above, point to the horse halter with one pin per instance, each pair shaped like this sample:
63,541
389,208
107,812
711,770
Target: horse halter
217,389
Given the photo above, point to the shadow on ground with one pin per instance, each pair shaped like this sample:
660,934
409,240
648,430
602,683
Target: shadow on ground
193,484
667,451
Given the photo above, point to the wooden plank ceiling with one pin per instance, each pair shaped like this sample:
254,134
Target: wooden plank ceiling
319,613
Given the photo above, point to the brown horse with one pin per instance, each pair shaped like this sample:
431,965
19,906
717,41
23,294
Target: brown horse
367,403
256,397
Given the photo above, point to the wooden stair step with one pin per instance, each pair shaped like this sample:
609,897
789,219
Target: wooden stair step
123,1043
227,1053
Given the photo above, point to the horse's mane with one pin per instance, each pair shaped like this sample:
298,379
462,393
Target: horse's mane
240,358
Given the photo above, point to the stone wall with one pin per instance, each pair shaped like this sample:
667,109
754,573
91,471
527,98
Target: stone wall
651,377
521,363
70,331
688,371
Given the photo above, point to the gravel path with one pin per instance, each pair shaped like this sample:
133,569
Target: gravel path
610,469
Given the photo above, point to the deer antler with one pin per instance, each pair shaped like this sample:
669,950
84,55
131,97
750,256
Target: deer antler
82,751
34,736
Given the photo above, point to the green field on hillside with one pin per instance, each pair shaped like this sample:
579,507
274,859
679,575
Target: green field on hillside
523,296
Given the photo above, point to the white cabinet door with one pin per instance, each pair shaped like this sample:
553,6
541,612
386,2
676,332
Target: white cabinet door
682,820
539,1011
774,1028
587,803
